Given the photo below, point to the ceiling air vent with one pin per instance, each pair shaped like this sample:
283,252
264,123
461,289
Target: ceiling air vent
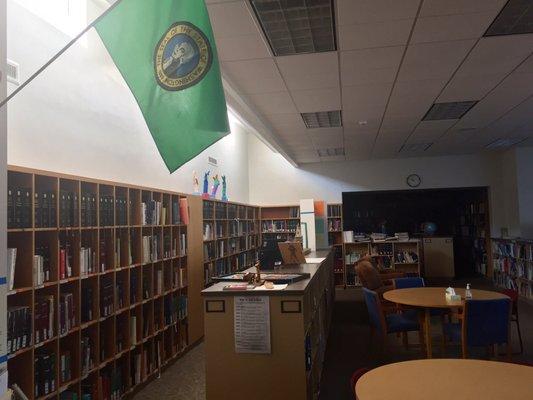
13,72
453,110
415,147
297,26
515,18
339,151
504,143
323,119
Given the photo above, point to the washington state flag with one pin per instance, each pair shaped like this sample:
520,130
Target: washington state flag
166,53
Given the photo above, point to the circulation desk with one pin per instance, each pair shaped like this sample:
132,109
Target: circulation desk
299,318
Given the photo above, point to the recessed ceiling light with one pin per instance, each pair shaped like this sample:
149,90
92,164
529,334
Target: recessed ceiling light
297,26
515,18
415,147
323,119
339,151
504,143
452,110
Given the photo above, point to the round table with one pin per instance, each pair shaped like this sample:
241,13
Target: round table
443,379
434,297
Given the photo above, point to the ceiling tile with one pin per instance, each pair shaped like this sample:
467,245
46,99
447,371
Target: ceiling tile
379,34
326,138
244,47
399,124
433,60
447,7
351,12
231,19
469,88
377,65
272,103
317,100
406,101
429,131
282,121
254,76
310,71
451,27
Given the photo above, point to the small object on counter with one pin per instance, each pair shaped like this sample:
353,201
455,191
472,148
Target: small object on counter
269,285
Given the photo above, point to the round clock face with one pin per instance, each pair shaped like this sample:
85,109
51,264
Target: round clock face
414,180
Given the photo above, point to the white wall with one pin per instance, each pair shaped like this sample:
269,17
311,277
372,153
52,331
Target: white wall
275,181
524,178
79,117
3,179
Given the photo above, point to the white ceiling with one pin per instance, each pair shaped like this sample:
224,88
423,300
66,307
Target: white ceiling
395,59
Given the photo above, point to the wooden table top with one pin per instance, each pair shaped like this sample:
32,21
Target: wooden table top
435,297
446,379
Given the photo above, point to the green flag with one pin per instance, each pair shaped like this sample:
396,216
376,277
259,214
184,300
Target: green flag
166,53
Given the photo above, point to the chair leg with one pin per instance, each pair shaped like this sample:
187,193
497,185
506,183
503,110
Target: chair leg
509,351
405,340
464,349
519,335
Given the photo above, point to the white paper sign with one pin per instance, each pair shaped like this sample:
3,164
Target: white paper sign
252,324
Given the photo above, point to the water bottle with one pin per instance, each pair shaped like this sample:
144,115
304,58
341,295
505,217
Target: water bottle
468,292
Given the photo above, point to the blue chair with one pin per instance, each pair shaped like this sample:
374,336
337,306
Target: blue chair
410,282
482,323
390,323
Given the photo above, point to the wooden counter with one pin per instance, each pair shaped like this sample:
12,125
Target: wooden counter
300,318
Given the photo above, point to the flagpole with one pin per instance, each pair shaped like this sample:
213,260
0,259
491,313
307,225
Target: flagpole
55,57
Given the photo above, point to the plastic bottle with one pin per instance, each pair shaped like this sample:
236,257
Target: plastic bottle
468,292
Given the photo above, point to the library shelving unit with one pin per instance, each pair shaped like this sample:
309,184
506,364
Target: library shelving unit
398,256
280,222
230,237
335,241
99,298
512,262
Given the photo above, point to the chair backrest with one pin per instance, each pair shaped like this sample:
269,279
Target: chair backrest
375,312
411,282
355,377
368,274
487,322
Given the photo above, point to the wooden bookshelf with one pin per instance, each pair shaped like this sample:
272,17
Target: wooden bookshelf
280,222
512,265
334,217
131,308
230,237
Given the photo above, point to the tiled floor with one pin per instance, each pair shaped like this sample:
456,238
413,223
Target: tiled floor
348,349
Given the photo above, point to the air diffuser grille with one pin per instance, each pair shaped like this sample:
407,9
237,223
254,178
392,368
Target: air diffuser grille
339,151
454,110
323,119
297,26
515,18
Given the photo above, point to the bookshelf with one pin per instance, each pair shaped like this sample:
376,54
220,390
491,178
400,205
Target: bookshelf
512,265
280,222
99,300
230,237
398,256
335,238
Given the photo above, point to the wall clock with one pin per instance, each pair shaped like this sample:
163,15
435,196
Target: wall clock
414,180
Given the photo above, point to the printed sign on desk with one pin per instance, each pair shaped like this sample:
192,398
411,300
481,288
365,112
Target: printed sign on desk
252,324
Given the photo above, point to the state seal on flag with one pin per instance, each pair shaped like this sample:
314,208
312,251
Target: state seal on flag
182,57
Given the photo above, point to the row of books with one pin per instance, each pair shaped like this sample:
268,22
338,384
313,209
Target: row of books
515,268
65,259
68,208
45,374
107,210
87,349
65,367
45,209
87,304
88,208
107,302
44,318
19,333
294,212
406,257
280,226
334,225
19,204
513,249
220,211
153,213
334,210
151,250
87,262
41,265
121,210
67,313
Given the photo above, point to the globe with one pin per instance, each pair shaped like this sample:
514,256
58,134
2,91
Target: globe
429,228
